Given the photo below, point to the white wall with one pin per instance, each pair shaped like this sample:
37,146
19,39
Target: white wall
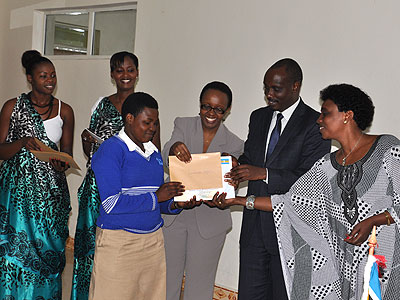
184,44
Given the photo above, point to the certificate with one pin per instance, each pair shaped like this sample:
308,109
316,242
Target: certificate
98,139
47,153
203,176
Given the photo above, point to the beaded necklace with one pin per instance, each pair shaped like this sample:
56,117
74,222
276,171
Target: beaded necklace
49,105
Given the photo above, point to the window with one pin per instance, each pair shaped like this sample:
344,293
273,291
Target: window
90,31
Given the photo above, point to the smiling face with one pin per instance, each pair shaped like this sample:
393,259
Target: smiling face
125,75
212,101
279,89
43,78
331,120
142,128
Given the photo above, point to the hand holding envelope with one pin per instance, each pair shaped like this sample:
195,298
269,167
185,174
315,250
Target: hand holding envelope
202,176
88,136
47,154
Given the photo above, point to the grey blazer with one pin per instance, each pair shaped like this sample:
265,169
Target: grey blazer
210,221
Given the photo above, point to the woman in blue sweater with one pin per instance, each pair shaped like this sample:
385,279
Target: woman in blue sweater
129,260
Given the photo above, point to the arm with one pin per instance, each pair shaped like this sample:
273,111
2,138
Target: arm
87,141
172,207
169,207
86,138
67,115
362,230
260,203
8,150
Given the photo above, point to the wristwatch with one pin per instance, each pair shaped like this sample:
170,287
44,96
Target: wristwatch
250,202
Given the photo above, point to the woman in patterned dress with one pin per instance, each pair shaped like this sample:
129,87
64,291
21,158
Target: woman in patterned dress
324,221
106,121
34,197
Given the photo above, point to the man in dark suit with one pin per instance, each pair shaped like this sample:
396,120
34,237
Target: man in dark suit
283,143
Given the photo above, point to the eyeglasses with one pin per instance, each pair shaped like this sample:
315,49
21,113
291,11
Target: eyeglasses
217,110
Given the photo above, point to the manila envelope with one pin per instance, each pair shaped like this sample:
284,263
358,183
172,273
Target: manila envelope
202,173
48,153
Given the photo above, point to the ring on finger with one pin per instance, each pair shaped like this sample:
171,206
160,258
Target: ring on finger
219,202
179,152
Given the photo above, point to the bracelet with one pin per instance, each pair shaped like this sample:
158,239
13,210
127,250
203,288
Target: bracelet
387,215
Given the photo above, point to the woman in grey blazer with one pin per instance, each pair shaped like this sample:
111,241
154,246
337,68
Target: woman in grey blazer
194,238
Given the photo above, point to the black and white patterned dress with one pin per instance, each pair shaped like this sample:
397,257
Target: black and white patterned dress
34,211
313,218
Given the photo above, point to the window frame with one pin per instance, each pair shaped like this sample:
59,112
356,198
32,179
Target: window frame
39,26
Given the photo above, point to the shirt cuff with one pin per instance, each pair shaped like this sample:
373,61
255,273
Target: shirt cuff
266,176
173,211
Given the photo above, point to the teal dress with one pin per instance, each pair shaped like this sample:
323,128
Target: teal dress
105,122
34,210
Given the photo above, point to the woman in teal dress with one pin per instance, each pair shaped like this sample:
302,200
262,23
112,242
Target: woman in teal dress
34,197
106,120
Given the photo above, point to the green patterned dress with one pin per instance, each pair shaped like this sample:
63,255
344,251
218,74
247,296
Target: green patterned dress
34,210
105,122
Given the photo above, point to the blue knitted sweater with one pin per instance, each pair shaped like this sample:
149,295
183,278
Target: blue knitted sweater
127,182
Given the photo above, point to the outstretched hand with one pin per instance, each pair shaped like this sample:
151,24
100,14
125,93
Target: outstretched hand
169,190
220,201
188,204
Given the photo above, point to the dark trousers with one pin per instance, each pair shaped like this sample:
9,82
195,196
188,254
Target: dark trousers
260,272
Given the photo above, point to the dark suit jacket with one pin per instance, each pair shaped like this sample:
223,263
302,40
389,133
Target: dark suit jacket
299,147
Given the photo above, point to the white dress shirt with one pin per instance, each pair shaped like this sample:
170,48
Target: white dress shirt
287,113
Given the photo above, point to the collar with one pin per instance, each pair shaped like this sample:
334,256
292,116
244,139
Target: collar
220,135
149,147
288,112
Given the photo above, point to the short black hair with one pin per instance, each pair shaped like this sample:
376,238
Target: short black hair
292,68
117,59
219,86
31,59
135,103
348,97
